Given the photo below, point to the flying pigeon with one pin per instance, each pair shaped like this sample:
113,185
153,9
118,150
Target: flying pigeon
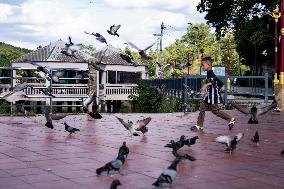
88,101
67,49
47,92
21,108
113,30
115,183
181,65
254,111
57,116
17,88
128,59
179,152
70,129
189,91
142,53
134,128
167,175
255,138
98,36
231,143
113,165
124,149
282,153
48,123
16,96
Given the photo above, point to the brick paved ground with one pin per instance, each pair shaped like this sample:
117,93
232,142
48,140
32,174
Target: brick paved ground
33,156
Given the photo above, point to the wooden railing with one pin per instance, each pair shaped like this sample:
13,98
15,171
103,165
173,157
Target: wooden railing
117,91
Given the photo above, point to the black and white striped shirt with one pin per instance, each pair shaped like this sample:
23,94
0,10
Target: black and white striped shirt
212,95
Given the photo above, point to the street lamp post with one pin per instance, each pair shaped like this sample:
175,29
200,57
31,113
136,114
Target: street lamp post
229,58
276,15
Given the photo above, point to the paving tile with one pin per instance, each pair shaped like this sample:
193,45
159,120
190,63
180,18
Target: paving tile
33,156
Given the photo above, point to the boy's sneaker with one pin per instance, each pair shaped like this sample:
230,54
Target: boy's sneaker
231,124
196,128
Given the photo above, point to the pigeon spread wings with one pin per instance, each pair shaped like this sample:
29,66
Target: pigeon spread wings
126,125
142,123
227,139
265,109
241,108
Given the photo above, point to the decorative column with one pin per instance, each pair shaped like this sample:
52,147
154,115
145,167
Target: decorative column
92,83
276,15
280,89
229,32
188,59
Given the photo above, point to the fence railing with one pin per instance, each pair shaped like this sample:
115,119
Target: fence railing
253,86
117,91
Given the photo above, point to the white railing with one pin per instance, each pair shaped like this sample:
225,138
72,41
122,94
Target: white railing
117,91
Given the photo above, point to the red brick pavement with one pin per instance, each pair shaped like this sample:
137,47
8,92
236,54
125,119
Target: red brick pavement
33,156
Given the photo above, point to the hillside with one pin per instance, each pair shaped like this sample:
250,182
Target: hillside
9,52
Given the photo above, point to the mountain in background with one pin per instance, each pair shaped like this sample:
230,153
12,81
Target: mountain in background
9,53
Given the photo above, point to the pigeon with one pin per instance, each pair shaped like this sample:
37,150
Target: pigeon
189,91
17,88
254,111
70,129
95,115
179,144
57,116
88,101
134,128
55,75
142,52
191,141
114,165
21,108
128,59
98,36
179,152
113,30
282,153
255,138
67,50
115,183
124,149
47,92
167,175
16,96
48,123
181,65
231,143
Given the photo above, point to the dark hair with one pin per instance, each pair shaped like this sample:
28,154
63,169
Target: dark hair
207,59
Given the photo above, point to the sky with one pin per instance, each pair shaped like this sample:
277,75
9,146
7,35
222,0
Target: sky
30,23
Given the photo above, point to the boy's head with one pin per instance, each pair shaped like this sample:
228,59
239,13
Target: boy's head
206,63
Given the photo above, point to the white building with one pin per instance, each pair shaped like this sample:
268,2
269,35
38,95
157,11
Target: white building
114,80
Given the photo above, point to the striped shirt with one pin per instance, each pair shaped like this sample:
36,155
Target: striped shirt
212,95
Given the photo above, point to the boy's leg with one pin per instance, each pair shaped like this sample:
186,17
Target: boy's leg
216,110
199,126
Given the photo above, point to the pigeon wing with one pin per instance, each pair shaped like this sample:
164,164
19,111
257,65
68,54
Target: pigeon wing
242,109
239,136
149,46
133,46
126,125
224,140
261,111
142,123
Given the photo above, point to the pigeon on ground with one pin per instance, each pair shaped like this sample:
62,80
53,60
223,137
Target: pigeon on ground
167,175
134,128
180,143
191,141
255,138
254,111
142,53
113,165
113,30
115,183
124,149
98,36
231,143
179,152
70,129
282,153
